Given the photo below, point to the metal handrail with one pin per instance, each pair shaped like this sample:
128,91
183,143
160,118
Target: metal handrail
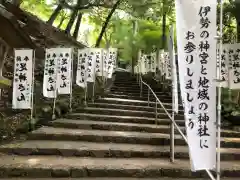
170,117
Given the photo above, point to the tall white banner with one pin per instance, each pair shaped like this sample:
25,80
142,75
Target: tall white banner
81,68
161,61
113,52
196,29
143,64
153,61
224,65
174,69
91,65
105,62
99,61
112,60
64,70
233,51
23,77
167,64
57,72
50,74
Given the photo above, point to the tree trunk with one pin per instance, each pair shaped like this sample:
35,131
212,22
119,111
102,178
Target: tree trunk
54,15
164,30
134,25
104,27
77,27
61,22
238,29
72,18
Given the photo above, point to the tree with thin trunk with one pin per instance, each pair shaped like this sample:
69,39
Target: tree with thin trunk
72,18
55,14
77,27
105,24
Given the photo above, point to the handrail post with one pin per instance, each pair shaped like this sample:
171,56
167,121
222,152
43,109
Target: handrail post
141,89
156,113
148,95
172,139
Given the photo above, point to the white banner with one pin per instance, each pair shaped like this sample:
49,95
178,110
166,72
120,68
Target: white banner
224,65
99,61
144,64
196,29
105,62
174,69
50,74
112,59
153,62
23,77
64,70
233,51
81,68
57,72
161,62
91,65
167,64
114,52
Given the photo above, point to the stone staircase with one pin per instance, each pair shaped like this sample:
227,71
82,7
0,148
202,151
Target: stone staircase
117,137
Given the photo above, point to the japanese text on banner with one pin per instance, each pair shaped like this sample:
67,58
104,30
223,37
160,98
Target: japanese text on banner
64,71
197,57
81,68
23,76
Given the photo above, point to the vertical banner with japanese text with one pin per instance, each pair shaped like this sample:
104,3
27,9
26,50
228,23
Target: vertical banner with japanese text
224,65
81,68
143,64
196,59
99,61
105,62
153,61
23,77
91,65
233,56
57,72
112,60
167,64
50,74
173,69
161,62
64,70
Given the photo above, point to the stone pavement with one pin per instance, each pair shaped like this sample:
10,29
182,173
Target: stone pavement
115,138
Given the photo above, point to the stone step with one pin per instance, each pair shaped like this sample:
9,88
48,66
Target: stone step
129,107
163,99
134,102
123,112
55,166
135,90
144,94
128,84
116,126
126,119
103,150
114,178
46,133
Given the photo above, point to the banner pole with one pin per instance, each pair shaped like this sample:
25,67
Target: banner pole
71,86
93,93
85,96
31,125
56,89
219,97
